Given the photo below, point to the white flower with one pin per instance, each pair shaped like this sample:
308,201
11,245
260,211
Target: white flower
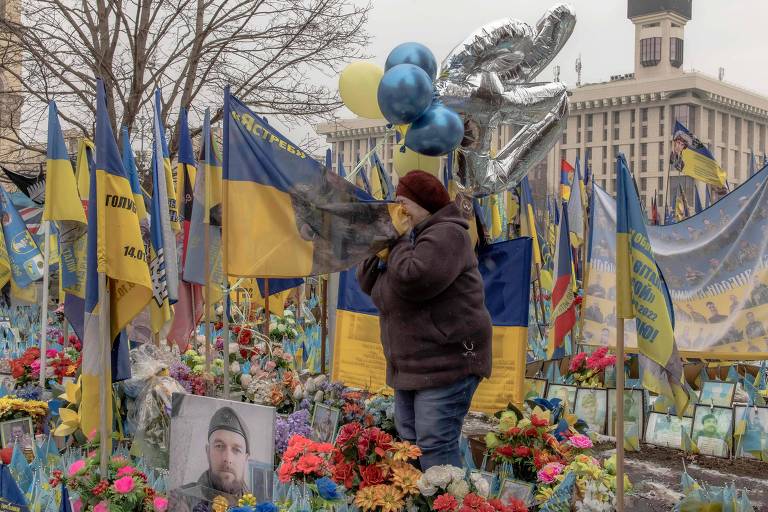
425,487
298,393
281,328
319,396
272,327
234,348
439,476
481,485
456,473
245,380
291,321
234,367
287,312
459,488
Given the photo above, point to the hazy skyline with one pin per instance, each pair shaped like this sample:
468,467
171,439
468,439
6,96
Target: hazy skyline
720,34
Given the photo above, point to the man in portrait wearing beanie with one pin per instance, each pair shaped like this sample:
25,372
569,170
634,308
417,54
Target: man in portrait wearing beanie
435,328
227,451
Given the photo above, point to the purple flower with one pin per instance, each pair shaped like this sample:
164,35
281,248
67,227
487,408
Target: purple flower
285,427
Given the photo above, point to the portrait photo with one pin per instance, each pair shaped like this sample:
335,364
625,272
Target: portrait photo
717,393
633,413
489,478
325,422
215,446
713,430
754,436
19,431
518,489
535,388
591,406
667,429
566,394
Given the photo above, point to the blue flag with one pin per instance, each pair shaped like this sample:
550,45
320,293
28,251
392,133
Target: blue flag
23,253
696,201
11,497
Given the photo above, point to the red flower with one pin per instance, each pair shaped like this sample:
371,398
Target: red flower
504,451
521,451
284,472
6,454
371,475
347,432
445,503
577,362
538,422
309,463
531,432
472,500
344,473
513,431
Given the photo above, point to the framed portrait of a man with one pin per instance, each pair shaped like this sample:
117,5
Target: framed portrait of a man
591,406
751,432
325,422
566,394
713,430
718,393
18,431
634,416
216,445
667,429
535,388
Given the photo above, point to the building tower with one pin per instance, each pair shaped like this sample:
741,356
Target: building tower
659,28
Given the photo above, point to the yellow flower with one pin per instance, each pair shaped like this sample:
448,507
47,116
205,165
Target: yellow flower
389,498
247,500
405,451
220,504
406,478
366,498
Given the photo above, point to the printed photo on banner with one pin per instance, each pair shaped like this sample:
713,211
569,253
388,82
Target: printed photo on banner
751,432
17,431
591,406
535,388
717,393
565,392
325,422
713,430
666,430
633,412
215,446
517,489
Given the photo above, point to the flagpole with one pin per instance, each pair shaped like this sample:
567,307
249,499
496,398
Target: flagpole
619,430
323,322
106,370
208,305
44,304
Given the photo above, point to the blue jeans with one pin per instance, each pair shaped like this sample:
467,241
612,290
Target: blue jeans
432,418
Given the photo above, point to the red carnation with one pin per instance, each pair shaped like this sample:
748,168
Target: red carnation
472,500
504,451
347,432
344,473
521,451
445,503
309,463
371,475
538,422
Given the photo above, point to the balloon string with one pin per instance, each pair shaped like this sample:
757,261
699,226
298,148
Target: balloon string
367,156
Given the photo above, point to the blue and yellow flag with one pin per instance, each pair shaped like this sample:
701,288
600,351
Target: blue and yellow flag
85,165
129,163
380,176
691,157
528,218
116,249
24,256
642,293
286,215
186,174
173,209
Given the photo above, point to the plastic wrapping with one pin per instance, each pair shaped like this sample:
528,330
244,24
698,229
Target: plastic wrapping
147,361
150,419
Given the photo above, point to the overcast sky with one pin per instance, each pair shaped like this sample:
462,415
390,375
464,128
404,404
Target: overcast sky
730,34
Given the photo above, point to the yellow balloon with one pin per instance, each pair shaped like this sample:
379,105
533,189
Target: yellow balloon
410,160
358,86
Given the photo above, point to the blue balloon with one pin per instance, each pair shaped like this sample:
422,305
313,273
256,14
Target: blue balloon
413,53
405,92
438,132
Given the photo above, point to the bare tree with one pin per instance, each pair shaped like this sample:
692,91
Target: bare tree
271,53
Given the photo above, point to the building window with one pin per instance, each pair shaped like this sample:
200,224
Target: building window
643,166
737,131
643,115
589,135
562,155
605,126
650,51
684,114
615,151
589,121
661,187
661,121
631,124
676,51
643,131
723,127
643,184
578,130
632,152
643,149
661,164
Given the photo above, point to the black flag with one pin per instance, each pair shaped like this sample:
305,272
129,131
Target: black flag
32,187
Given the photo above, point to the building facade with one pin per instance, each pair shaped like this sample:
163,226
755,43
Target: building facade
633,114
10,70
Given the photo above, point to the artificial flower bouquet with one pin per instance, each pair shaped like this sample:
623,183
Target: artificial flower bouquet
190,372
125,488
586,369
595,488
283,328
446,489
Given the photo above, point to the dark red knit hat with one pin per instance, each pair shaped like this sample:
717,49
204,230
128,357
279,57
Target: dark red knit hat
423,189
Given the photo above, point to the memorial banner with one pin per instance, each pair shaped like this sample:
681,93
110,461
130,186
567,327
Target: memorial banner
714,264
358,358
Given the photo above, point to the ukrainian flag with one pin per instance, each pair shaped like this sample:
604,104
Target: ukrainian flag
64,206
358,357
642,293
129,163
173,210
84,166
697,160
528,218
286,214
116,249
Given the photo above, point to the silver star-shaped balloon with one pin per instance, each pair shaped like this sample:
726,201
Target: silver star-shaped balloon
487,79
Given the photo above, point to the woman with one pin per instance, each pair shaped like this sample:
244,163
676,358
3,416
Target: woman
435,329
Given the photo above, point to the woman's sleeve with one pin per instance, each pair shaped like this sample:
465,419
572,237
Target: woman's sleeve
368,273
425,269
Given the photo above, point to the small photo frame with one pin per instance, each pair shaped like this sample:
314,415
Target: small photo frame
566,393
262,475
666,430
490,478
19,430
718,393
517,489
634,412
592,406
535,388
325,421
713,430
754,438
